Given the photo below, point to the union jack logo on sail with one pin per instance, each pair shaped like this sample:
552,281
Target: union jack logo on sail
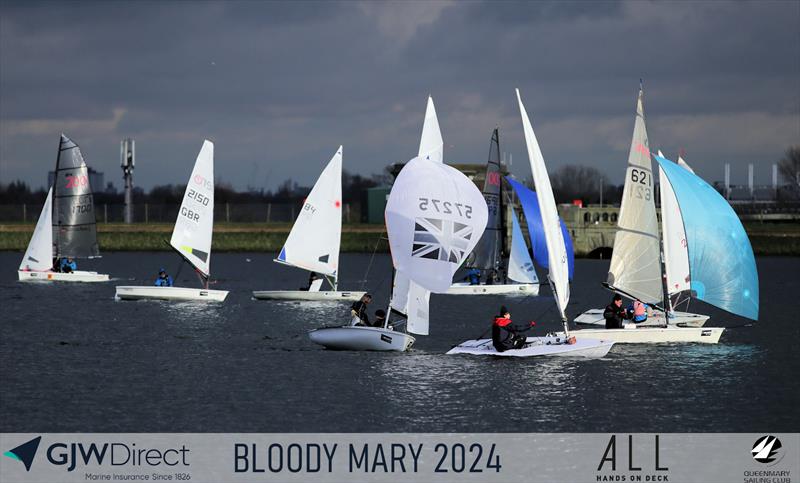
443,240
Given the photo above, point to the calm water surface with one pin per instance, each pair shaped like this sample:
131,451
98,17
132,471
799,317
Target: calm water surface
73,359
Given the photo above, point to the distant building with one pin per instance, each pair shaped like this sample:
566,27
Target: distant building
96,179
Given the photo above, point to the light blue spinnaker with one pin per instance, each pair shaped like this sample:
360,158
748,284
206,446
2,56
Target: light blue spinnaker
520,265
530,206
721,262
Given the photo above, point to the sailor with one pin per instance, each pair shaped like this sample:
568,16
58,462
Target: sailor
474,276
506,335
614,313
380,318
359,311
312,277
637,311
163,279
67,265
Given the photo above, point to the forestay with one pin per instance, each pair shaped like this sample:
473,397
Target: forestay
557,251
520,265
39,255
74,224
676,255
195,223
486,255
533,218
313,244
721,262
434,217
636,260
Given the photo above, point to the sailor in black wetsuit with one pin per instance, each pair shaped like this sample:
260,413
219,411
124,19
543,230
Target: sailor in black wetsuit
359,310
615,314
506,335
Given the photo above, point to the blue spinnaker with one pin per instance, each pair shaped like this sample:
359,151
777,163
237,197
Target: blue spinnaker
530,206
721,262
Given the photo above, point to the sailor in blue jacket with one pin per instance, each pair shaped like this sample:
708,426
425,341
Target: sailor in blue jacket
163,279
67,265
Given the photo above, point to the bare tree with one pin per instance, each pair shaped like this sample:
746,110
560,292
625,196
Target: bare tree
789,166
573,182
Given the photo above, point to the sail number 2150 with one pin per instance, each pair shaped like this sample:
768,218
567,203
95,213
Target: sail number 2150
445,207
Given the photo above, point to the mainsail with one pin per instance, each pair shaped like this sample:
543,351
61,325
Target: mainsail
557,251
39,255
533,217
636,260
191,236
520,265
74,224
313,244
721,262
486,255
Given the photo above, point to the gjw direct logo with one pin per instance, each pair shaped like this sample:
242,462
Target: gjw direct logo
25,452
767,449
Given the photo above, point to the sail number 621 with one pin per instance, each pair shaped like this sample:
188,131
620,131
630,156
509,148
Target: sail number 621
445,207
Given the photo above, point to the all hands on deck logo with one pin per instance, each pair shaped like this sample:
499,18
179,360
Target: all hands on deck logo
766,449
25,452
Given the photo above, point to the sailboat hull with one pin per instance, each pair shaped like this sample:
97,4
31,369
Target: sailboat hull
653,335
305,295
358,338
594,317
170,294
48,276
551,346
499,289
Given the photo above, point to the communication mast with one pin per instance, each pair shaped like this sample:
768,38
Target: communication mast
127,156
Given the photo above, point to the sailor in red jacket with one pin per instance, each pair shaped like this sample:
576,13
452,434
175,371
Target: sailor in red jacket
506,335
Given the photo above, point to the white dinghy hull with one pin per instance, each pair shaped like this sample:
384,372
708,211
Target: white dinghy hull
358,338
653,335
538,346
170,294
48,276
305,295
499,289
594,317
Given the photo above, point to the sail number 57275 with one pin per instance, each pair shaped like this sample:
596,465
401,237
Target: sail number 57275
446,207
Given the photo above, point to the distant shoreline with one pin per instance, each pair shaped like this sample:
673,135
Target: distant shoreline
777,239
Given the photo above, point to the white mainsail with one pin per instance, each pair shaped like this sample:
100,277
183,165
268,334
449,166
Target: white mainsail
636,261
520,265
557,251
39,255
431,145
683,164
314,242
195,223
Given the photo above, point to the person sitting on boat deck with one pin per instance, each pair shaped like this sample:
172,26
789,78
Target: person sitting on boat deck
380,318
506,335
474,276
614,313
359,310
312,277
637,311
67,265
163,279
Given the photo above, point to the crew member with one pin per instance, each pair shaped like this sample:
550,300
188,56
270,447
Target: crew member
638,311
506,335
67,265
312,277
380,318
614,313
359,310
474,276
163,279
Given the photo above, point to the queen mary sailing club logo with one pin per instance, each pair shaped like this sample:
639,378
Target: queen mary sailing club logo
767,449
443,240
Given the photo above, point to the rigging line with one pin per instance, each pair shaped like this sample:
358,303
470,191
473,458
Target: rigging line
369,265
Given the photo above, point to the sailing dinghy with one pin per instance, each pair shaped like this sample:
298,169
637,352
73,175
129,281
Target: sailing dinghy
434,218
558,273
191,237
67,226
314,241
636,268
487,256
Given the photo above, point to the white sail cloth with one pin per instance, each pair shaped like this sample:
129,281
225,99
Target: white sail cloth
193,228
673,234
39,255
314,242
636,260
520,265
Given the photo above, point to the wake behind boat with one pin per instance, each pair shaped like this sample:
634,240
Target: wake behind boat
191,238
73,233
313,244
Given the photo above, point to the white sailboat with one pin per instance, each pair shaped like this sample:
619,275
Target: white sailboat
636,264
487,256
434,218
191,237
73,233
558,273
313,244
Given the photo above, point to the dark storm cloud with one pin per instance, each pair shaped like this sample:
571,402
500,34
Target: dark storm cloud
278,86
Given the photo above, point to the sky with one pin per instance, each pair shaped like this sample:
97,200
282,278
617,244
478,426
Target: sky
279,86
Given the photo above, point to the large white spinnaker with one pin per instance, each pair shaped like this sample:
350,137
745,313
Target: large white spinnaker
313,244
193,228
557,251
636,260
520,265
39,255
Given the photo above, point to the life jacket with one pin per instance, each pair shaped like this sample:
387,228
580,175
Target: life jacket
502,321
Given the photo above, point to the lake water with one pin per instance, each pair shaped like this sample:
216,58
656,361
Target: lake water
73,359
